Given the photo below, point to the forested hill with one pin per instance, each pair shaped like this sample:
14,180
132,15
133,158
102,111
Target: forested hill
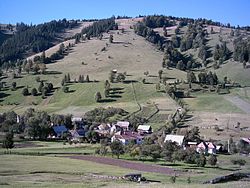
30,39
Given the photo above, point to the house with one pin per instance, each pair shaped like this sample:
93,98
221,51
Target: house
206,147
76,119
124,125
127,137
77,134
175,138
59,130
245,140
103,129
144,129
191,145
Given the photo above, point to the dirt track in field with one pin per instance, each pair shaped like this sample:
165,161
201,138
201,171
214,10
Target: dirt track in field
126,164
240,103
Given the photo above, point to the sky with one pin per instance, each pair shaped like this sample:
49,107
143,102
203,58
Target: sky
235,12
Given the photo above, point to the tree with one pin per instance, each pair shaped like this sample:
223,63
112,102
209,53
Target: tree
87,78
191,78
34,92
43,68
43,57
158,87
193,135
65,89
13,85
106,92
25,91
36,68
112,77
201,160
111,38
160,73
98,97
117,148
212,160
8,142
40,86
120,77
107,85
168,150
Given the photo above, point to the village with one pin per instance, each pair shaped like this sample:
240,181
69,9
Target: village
121,131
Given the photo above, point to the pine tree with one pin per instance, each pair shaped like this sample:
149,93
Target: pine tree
98,97
87,78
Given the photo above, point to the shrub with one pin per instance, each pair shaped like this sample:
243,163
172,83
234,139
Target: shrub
212,160
25,92
240,162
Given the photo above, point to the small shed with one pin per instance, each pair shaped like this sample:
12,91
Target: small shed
144,129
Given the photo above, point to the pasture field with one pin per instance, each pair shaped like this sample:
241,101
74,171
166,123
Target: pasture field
55,170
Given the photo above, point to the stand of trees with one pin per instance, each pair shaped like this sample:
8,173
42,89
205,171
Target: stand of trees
32,38
99,27
242,50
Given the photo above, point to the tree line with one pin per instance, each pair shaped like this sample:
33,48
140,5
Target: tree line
33,39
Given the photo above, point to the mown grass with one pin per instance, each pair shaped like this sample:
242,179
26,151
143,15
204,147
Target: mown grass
211,102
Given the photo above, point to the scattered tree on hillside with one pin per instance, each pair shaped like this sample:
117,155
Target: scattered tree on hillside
111,38
98,97
13,85
34,92
25,91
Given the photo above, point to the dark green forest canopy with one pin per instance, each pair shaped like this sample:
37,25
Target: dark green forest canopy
30,39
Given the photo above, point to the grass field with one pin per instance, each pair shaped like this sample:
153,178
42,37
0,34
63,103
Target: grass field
57,171
211,102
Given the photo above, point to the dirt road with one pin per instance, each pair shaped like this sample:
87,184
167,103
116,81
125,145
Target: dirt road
240,103
126,164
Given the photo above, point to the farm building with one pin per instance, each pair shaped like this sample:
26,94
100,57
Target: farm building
144,129
59,130
206,147
128,137
124,125
175,138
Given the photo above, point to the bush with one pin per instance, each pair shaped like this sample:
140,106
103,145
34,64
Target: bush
172,179
34,92
25,92
240,162
212,160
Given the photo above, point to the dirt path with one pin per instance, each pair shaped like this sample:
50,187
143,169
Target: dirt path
126,164
240,103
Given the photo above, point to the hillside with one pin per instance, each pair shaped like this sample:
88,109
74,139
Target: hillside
131,54
68,109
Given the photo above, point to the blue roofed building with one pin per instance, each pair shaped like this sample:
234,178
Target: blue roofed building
59,130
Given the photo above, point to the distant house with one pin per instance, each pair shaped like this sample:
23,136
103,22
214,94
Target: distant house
127,137
103,129
124,125
76,119
175,138
77,134
59,130
191,145
144,129
206,147
245,140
